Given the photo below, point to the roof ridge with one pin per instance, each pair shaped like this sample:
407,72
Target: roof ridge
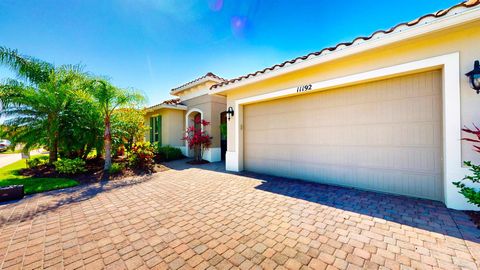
208,74
173,101
438,14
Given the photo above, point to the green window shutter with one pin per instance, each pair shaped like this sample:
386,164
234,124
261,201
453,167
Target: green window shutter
151,129
159,129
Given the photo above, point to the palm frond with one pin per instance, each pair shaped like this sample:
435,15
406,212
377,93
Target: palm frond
28,68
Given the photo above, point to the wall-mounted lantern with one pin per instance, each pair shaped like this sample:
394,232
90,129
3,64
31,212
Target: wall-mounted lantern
230,112
474,77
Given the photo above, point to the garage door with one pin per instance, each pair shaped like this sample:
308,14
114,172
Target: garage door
383,136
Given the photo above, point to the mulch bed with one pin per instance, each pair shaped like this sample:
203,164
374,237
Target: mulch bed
93,174
475,217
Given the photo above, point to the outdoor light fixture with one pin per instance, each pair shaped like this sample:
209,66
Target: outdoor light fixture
230,112
474,77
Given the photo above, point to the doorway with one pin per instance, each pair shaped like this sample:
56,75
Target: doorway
223,134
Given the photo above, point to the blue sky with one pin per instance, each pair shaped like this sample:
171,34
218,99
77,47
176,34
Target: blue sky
155,45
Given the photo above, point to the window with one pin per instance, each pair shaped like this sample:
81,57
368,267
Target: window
156,129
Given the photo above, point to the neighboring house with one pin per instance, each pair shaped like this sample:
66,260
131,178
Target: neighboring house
380,113
169,120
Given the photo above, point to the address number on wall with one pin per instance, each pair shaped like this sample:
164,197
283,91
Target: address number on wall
304,88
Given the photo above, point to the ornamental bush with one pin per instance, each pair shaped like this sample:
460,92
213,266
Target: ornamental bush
116,168
70,166
37,161
472,194
141,156
167,153
197,138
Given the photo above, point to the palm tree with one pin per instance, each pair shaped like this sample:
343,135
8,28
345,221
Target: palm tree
110,98
34,102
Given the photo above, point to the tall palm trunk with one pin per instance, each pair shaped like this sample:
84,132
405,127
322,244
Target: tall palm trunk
108,144
53,154
53,151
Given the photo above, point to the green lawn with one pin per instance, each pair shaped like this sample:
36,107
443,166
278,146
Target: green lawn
9,175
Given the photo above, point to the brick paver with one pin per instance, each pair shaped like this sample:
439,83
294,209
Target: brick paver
194,218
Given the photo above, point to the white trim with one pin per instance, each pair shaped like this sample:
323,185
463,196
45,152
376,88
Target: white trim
231,162
453,170
166,106
213,154
447,21
187,152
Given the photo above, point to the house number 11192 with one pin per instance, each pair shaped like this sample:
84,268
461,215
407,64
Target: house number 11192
304,88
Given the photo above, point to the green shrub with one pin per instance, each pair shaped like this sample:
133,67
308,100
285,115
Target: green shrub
472,194
167,153
116,168
141,156
37,161
223,131
70,166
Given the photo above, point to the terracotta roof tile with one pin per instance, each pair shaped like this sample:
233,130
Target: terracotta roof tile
209,74
174,102
438,14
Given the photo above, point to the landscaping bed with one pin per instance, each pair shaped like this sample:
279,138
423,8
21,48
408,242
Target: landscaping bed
43,178
93,171
37,175
11,175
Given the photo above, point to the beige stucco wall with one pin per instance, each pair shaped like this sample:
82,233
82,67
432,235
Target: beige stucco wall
211,107
384,136
185,94
173,126
464,39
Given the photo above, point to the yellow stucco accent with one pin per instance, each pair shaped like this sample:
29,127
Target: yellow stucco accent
172,126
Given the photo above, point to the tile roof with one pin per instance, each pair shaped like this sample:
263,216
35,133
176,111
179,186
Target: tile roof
171,102
209,75
377,34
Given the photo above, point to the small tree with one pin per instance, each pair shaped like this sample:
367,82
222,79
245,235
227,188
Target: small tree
110,98
36,100
127,127
472,194
198,139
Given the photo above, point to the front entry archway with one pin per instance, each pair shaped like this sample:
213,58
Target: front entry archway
190,118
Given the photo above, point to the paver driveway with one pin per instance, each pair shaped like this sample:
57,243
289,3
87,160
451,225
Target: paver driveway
192,218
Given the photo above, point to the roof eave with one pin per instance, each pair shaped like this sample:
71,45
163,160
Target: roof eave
440,23
166,106
193,84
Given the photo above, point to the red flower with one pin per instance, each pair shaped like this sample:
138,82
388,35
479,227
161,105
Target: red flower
196,137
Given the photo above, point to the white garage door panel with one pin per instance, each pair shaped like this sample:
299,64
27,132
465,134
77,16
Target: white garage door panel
383,136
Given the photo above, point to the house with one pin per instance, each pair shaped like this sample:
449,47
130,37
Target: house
380,113
169,119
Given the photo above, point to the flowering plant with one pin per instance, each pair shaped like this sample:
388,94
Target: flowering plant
471,193
141,156
197,138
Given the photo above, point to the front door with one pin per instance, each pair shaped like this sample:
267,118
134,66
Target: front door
223,134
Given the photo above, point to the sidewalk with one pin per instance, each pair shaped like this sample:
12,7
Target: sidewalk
6,159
